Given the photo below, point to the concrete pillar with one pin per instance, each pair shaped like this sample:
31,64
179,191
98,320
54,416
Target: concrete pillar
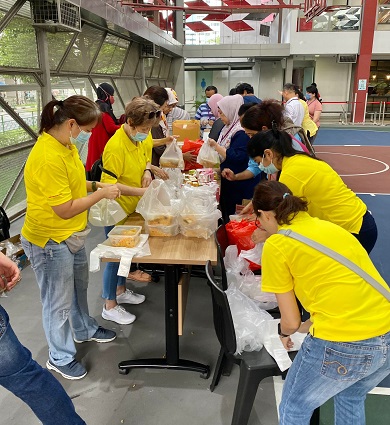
178,29
362,70
44,65
288,73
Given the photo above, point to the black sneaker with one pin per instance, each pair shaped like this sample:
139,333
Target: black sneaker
73,370
101,335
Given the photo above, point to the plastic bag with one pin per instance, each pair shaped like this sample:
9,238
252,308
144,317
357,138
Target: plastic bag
155,205
172,157
106,212
194,146
253,255
250,322
208,157
239,233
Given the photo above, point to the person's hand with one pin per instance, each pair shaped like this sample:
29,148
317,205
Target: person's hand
228,174
158,172
211,122
203,122
259,236
212,143
287,342
146,179
110,192
190,157
170,139
248,209
9,273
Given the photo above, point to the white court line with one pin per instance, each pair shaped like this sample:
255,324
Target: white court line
359,156
380,391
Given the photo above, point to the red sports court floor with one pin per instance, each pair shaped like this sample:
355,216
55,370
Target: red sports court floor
365,169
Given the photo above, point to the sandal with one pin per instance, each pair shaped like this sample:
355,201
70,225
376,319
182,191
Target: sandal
139,276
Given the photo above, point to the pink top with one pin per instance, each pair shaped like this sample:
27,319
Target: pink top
313,106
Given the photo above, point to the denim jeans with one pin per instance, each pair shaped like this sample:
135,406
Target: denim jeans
368,233
25,378
110,276
346,371
63,281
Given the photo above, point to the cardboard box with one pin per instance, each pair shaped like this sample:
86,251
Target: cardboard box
23,261
186,129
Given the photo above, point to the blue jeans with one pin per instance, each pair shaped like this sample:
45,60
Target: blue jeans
25,378
323,369
110,276
63,281
368,233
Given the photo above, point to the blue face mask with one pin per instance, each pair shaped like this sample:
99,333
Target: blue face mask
308,96
139,137
82,137
207,99
269,169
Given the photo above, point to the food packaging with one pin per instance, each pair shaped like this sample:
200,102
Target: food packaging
162,231
124,236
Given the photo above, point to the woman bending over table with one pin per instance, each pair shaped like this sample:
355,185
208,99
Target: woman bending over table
54,229
128,155
328,196
347,351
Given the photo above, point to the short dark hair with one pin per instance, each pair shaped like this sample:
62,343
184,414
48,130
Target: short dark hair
263,114
208,88
244,108
244,87
289,87
232,91
158,94
83,110
271,195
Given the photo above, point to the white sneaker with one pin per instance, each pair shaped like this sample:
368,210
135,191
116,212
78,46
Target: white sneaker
118,315
130,297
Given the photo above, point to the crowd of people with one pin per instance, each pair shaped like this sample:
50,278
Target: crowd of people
266,155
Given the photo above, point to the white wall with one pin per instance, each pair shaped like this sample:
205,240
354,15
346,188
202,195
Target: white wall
271,79
333,81
190,91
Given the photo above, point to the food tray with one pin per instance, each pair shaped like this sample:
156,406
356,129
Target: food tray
124,236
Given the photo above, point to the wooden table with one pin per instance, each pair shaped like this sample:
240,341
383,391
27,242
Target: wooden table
174,253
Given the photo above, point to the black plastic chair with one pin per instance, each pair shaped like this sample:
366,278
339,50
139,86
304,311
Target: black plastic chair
254,366
222,242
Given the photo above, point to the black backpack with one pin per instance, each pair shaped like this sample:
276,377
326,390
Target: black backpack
4,225
97,169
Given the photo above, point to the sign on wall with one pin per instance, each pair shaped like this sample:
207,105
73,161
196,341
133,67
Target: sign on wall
362,85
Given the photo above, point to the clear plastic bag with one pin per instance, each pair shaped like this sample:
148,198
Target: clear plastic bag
155,205
172,157
208,157
254,254
250,321
106,212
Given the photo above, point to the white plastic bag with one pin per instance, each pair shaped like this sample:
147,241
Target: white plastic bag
208,157
106,212
249,321
172,157
253,254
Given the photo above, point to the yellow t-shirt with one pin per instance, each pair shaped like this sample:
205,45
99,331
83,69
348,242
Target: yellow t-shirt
53,175
328,196
342,306
307,123
128,163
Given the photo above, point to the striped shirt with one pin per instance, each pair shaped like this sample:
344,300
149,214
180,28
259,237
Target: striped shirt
204,114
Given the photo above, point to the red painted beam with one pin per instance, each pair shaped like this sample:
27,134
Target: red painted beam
362,70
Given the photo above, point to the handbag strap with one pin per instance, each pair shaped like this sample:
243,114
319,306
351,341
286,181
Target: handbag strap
338,257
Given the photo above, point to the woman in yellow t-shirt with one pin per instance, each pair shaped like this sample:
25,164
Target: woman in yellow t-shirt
347,351
328,196
54,229
128,155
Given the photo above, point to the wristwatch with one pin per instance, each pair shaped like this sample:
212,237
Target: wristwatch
94,187
280,333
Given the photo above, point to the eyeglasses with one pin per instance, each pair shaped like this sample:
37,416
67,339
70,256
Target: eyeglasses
154,114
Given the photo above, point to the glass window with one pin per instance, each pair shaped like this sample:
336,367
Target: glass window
83,50
147,63
156,68
19,197
19,32
11,165
111,56
63,87
165,66
57,45
131,67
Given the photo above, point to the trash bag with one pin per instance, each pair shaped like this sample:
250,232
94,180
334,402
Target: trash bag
250,321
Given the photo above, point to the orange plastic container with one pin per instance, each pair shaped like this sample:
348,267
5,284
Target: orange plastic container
186,129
